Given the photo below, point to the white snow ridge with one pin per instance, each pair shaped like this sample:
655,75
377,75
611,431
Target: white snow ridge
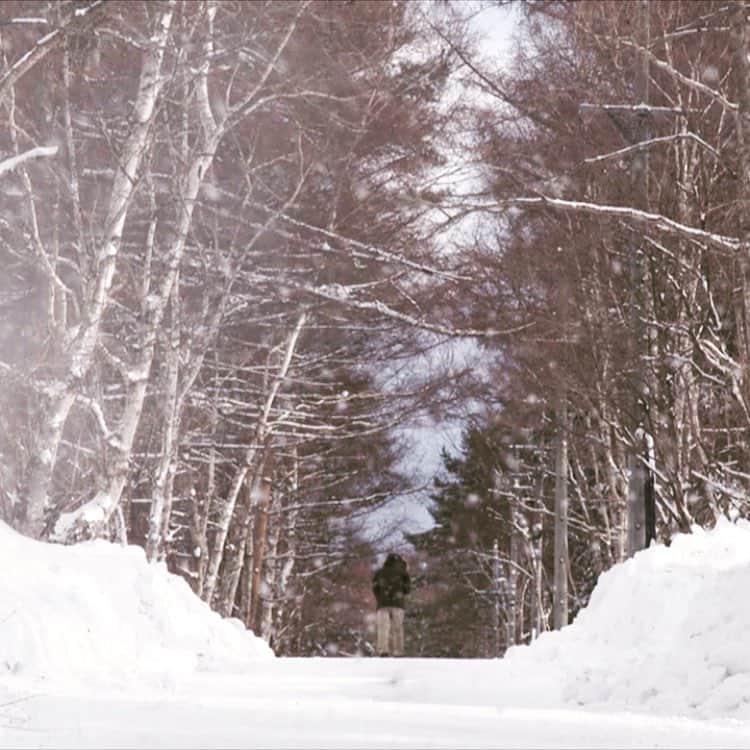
98,613
666,631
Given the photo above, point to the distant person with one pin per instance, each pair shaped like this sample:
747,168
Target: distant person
391,584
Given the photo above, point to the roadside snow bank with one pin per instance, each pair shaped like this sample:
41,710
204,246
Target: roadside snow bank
99,613
666,631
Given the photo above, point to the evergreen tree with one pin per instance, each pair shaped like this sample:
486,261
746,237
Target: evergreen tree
455,613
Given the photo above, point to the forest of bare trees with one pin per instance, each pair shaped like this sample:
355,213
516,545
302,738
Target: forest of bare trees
222,222
614,157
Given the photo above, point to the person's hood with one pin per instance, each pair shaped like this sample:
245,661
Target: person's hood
394,560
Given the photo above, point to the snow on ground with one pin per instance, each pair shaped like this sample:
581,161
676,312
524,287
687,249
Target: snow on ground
667,631
99,649
98,613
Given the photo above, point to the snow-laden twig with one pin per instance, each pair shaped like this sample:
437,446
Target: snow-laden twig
346,296
652,142
658,221
96,409
657,62
12,162
14,21
44,45
639,109
735,494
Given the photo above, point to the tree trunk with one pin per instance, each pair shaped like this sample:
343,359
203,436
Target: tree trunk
161,496
239,539
497,600
60,399
271,572
285,607
537,540
515,603
260,539
227,510
200,510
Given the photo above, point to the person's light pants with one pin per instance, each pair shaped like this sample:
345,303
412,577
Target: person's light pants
390,631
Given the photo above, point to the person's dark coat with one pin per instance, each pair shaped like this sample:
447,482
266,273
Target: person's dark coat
391,583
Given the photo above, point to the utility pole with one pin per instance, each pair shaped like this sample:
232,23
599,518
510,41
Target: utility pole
641,509
561,562
741,47
560,574
641,516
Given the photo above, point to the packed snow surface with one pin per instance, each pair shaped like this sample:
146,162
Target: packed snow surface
99,649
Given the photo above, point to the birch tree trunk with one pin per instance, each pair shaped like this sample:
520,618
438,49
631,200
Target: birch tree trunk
161,498
271,570
284,566
60,395
201,505
240,539
536,543
154,304
227,509
514,593
260,546
271,577
497,601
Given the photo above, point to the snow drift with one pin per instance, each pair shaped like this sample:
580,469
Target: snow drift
666,631
100,614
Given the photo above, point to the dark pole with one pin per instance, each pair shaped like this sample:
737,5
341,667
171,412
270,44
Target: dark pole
641,511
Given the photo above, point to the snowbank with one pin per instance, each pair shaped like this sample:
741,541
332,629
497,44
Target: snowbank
98,613
667,631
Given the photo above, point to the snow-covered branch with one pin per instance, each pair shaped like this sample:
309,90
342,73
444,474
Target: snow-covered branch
653,142
21,20
646,218
13,162
657,62
101,420
636,109
249,101
44,45
345,295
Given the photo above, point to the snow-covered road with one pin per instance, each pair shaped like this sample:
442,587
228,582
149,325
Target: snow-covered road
342,703
100,649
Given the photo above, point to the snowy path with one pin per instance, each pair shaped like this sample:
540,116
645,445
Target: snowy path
341,703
